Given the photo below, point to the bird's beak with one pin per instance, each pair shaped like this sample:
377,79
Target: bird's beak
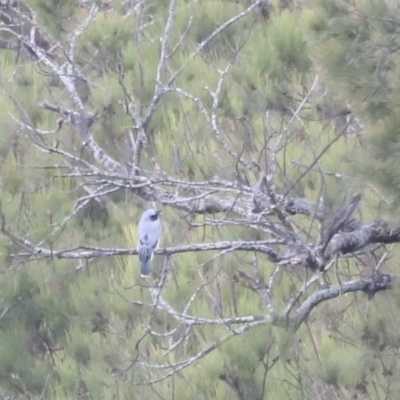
159,212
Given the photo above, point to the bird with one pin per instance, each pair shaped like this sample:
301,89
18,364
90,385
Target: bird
149,237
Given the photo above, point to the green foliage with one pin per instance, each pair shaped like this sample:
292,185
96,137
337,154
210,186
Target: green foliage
55,22
355,45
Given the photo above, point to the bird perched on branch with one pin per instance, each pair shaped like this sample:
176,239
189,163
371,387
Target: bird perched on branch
149,238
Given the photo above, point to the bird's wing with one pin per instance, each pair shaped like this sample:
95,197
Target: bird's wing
148,241
149,233
146,247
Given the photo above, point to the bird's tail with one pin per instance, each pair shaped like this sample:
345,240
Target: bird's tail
145,257
145,268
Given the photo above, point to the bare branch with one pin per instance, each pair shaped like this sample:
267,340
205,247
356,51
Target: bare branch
96,252
370,286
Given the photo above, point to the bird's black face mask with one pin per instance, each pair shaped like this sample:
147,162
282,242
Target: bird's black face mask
154,216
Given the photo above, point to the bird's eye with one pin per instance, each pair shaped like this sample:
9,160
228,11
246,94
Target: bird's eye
153,217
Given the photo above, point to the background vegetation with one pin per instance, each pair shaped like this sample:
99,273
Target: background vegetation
268,134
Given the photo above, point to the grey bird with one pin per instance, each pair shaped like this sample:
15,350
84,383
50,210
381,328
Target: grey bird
149,238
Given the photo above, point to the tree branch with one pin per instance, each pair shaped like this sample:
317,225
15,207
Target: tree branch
370,286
